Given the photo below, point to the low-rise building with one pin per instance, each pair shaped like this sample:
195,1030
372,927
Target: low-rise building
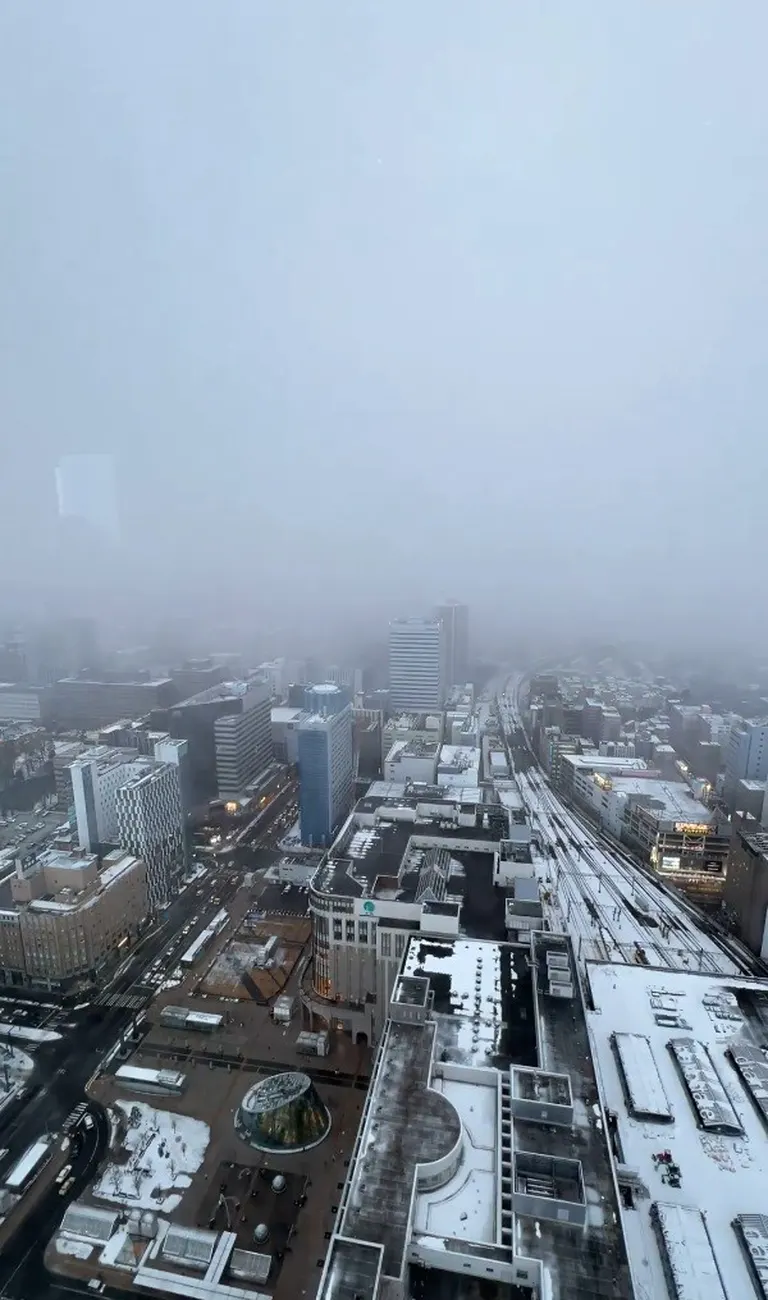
20,704
65,752
681,1071
411,726
680,837
408,859
64,916
577,769
412,760
483,1159
676,834
459,765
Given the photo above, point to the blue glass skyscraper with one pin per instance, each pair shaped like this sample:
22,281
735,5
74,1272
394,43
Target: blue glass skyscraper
326,763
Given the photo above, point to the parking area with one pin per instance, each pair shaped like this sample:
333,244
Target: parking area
23,831
284,900
258,961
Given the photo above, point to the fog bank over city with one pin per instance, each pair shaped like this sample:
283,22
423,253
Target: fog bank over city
372,305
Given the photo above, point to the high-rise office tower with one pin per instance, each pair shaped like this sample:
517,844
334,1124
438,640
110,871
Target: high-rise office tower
244,740
136,802
326,763
455,619
150,825
417,663
86,488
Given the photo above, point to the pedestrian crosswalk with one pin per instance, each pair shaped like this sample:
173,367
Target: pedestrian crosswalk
75,1116
126,1001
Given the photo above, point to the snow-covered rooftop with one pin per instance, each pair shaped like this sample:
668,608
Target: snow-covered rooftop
691,1107
283,714
677,802
482,1154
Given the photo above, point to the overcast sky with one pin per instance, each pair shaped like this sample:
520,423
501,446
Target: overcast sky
434,297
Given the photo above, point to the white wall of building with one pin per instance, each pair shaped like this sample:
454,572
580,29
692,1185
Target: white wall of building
401,765
417,663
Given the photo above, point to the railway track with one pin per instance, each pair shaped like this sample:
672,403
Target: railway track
642,918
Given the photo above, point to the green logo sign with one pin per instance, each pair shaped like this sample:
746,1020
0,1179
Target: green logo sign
368,908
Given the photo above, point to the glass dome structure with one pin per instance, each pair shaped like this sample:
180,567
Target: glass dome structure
283,1114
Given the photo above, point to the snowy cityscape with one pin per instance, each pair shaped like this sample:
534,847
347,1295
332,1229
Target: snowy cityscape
483,1029
383,673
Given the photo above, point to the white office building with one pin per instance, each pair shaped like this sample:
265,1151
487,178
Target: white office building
455,620
150,824
96,777
135,801
417,663
326,763
244,740
746,758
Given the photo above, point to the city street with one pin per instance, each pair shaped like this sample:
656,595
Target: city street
22,1271
63,1067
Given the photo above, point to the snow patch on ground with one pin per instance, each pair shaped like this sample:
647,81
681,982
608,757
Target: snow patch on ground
70,1246
164,1150
29,1034
15,1068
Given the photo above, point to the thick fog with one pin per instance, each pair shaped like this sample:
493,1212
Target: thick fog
373,303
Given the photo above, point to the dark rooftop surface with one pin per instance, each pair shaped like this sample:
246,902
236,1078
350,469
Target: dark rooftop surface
415,793
588,1263
485,1002
353,1270
366,855
410,1124
433,1284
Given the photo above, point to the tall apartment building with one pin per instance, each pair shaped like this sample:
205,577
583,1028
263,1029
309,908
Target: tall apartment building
148,811
65,916
455,619
417,663
122,797
326,763
746,757
96,777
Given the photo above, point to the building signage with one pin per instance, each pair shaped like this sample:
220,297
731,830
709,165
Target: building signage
692,828
368,908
